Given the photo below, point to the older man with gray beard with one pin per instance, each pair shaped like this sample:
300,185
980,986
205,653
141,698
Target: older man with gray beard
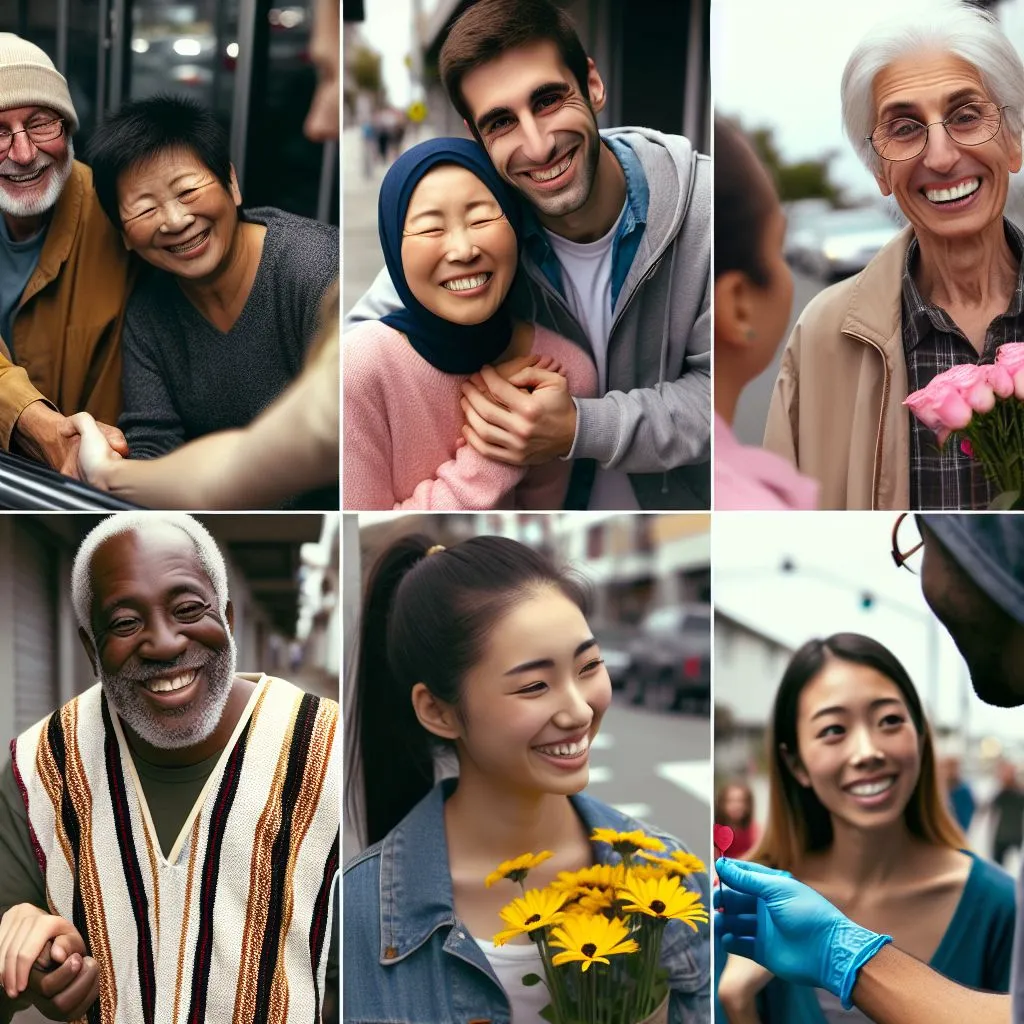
176,798
64,275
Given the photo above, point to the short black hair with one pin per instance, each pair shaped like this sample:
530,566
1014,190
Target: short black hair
143,128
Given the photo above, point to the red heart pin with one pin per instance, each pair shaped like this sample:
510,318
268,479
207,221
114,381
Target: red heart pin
724,838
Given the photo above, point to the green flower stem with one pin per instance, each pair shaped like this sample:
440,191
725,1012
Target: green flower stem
550,975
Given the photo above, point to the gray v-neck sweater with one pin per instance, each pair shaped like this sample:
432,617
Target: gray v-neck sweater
184,378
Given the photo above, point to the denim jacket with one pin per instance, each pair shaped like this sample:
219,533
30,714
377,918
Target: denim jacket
409,960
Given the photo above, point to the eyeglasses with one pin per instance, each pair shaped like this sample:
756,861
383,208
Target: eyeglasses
900,556
903,138
47,131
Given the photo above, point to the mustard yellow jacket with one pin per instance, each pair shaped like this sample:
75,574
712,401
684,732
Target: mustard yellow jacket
67,327
837,410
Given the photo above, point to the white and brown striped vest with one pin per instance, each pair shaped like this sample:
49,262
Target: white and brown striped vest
231,926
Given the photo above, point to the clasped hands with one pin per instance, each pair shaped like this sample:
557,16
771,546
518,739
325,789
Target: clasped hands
43,961
77,446
520,411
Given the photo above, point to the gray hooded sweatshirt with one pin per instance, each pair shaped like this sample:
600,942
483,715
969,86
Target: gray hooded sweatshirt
654,422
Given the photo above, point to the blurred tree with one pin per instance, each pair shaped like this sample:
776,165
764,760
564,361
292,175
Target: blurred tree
365,68
808,179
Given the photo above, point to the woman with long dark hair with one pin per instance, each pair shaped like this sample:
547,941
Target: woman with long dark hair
855,811
482,648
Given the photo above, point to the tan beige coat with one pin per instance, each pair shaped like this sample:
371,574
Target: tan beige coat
837,410
67,328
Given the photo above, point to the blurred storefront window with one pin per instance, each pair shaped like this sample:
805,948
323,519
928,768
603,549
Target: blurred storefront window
114,50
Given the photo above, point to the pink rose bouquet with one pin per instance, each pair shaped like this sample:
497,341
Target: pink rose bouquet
984,406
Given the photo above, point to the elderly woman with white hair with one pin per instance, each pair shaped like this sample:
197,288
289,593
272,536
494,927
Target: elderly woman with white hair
933,105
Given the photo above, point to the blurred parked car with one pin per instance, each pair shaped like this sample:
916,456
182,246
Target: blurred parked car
846,240
671,655
801,217
615,640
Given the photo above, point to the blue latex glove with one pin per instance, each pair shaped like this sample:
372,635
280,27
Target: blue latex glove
786,926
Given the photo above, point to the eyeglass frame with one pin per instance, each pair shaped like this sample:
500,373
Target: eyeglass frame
902,557
945,127
27,131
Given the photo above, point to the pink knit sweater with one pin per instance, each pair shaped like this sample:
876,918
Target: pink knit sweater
403,418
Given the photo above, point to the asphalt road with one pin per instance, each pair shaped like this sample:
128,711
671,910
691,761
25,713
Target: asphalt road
656,766
752,410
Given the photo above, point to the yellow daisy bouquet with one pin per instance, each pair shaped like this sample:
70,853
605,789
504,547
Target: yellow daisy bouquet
599,929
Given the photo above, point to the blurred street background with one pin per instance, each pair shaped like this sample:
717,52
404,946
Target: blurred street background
247,60
393,97
837,218
781,579
651,579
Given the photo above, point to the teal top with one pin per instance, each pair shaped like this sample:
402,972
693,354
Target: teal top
975,951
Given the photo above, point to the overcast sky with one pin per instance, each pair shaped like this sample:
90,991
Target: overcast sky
838,556
780,64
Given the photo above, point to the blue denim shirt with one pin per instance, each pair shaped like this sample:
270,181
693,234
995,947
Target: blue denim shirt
627,237
409,960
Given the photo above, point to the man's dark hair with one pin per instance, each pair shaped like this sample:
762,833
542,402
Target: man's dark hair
489,28
141,129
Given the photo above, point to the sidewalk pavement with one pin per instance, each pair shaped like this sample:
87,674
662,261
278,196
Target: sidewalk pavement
361,254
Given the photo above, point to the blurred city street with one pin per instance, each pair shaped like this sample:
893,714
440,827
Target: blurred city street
752,410
656,767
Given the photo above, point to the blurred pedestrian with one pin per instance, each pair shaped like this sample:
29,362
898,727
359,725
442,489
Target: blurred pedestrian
753,296
734,807
1008,807
959,793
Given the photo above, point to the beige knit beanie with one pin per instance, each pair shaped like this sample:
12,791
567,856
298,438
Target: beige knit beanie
29,79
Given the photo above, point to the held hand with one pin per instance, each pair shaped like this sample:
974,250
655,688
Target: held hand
66,992
787,927
529,418
28,935
511,367
95,450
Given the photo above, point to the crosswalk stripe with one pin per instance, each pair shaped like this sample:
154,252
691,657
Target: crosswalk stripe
694,777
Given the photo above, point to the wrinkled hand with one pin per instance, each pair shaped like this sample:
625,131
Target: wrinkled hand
45,435
30,936
787,927
525,420
95,449
65,992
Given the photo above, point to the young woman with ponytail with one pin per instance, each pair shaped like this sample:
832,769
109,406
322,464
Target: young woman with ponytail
483,647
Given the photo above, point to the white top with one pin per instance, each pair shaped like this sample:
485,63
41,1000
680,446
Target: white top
587,281
511,963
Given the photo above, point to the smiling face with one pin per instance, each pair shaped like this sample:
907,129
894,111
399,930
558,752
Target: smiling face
163,652
177,216
533,703
949,190
538,128
858,749
32,175
458,249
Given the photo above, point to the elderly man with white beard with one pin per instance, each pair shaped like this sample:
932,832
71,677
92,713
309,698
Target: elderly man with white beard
64,275
176,816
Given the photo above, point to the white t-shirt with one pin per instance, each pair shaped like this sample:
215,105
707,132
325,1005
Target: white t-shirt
511,963
587,282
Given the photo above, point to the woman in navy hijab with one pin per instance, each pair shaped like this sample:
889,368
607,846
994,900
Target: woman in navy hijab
450,229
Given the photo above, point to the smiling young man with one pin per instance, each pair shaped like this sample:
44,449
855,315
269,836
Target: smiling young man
616,258
934,108
63,274
176,798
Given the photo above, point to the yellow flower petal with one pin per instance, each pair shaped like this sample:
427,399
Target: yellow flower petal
663,898
517,868
626,842
590,939
536,908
